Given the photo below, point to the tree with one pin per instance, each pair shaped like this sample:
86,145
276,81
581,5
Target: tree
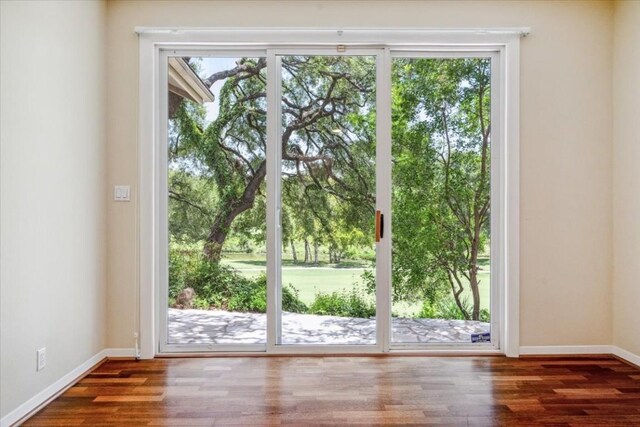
441,155
441,129
327,114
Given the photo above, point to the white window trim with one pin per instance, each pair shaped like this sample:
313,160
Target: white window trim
152,40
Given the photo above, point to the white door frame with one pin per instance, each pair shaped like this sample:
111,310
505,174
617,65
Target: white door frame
162,197
274,235
150,258
497,223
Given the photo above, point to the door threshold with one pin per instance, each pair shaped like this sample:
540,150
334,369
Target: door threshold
391,353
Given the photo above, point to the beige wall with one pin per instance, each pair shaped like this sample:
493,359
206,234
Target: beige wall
626,177
52,192
566,129
66,247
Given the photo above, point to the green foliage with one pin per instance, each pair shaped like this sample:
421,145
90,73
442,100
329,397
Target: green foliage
191,204
345,304
440,203
220,287
291,301
251,295
192,195
440,199
368,278
210,162
328,187
184,261
445,307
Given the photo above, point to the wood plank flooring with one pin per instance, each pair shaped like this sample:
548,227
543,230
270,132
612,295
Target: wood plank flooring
306,391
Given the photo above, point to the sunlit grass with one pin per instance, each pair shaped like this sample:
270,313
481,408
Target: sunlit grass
309,280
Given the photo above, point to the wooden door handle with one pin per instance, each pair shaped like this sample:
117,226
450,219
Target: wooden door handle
379,225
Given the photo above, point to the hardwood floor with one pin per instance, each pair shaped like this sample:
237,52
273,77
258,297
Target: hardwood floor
309,391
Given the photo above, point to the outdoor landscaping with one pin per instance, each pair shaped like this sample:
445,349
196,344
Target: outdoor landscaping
440,200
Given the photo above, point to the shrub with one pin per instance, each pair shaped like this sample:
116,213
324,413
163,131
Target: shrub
428,311
443,308
446,308
247,295
201,303
221,287
344,304
251,295
368,278
184,259
218,284
291,300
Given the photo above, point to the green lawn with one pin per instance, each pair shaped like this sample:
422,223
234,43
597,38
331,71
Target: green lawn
309,280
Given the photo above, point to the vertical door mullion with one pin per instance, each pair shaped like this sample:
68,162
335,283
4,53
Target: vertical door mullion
496,203
383,198
273,154
163,205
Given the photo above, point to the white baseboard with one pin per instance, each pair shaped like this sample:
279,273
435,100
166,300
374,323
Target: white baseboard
580,349
565,349
626,355
120,352
54,389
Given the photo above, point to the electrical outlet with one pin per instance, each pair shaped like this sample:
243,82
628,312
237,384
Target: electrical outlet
42,358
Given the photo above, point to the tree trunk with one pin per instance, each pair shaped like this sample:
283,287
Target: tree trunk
315,252
293,252
225,217
475,291
480,210
215,240
473,274
307,251
454,280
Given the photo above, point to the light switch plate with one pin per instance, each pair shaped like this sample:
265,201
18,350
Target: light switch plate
42,358
121,193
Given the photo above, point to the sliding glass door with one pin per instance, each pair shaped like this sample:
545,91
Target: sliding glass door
215,201
441,199
328,199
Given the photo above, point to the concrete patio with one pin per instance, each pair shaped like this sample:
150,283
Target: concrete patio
223,327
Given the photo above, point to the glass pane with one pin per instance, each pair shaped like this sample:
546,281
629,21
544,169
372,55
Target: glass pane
216,173
328,199
441,200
